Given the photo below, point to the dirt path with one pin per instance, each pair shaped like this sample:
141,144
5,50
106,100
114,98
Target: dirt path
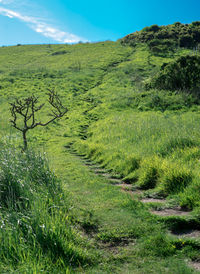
175,211
109,210
164,212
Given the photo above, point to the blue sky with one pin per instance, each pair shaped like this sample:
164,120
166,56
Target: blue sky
71,21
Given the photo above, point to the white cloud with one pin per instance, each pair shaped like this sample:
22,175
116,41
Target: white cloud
41,27
6,1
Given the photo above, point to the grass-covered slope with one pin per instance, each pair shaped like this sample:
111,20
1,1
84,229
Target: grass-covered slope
150,138
38,231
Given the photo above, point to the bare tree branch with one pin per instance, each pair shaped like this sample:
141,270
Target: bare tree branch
27,109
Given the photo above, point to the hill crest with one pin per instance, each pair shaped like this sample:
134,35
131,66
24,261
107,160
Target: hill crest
166,37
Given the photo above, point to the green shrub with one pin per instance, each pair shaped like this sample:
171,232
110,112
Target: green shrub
161,100
131,178
182,74
177,34
149,177
94,151
149,173
153,28
175,179
132,163
190,197
61,52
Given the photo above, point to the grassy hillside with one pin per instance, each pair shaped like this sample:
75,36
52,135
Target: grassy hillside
147,137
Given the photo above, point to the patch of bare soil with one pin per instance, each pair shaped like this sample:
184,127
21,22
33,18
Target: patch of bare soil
126,186
152,200
116,248
170,212
195,265
131,192
192,233
108,176
100,171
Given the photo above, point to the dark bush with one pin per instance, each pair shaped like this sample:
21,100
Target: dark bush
186,41
182,74
61,52
183,35
153,28
196,23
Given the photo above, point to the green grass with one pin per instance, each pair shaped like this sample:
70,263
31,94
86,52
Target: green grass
52,227
59,216
156,150
125,231
37,231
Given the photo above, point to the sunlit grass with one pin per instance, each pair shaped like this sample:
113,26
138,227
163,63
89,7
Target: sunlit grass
36,228
71,219
155,150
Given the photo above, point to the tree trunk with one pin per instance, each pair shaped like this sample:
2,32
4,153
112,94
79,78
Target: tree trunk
25,140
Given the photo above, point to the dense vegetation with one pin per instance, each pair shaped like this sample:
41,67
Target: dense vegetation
36,228
181,74
71,219
164,38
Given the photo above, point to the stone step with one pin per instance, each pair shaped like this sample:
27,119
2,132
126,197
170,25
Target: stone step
153,200
170,212
124,185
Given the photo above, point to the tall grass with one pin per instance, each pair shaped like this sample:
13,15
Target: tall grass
36,229
153,150
156,151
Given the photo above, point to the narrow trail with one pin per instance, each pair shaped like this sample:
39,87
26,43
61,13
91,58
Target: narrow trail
163,211
128,188
105,195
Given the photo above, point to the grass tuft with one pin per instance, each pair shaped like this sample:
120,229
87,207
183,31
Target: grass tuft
36,226
176,179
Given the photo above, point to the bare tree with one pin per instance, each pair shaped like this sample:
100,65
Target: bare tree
23,113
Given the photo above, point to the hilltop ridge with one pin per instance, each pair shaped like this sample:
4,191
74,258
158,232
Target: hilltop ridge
163,38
